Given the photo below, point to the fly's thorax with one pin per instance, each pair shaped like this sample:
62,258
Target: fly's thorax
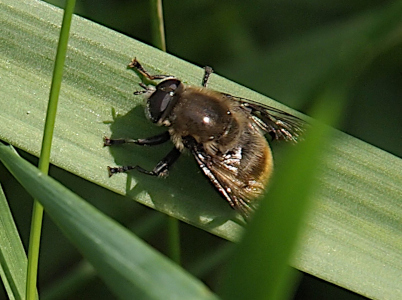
200,113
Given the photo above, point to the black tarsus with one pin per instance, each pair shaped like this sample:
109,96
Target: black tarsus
161,169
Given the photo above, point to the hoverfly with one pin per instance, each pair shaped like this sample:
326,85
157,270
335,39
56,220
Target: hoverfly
224,133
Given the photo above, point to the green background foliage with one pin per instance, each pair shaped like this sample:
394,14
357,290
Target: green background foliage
291,51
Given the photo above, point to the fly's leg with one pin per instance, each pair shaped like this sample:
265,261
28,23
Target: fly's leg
207,73
155,140
146,89
161,169
135,64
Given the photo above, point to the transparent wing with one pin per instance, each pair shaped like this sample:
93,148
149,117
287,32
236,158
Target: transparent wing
278,123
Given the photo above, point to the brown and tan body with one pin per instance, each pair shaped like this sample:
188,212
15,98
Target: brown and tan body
232,150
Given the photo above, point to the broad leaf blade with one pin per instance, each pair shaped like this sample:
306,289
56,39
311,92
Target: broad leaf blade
127,265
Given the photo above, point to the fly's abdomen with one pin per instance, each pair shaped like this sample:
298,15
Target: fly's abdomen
256,166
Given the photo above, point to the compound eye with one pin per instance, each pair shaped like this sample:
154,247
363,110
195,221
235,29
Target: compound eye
162,99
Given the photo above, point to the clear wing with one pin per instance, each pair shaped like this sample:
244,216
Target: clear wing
278,123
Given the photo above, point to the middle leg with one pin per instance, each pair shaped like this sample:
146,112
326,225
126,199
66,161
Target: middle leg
154,140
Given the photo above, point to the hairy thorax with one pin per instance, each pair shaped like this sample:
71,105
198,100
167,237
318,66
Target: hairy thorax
204,116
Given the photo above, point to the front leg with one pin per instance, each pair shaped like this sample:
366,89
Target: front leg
161,169
135,64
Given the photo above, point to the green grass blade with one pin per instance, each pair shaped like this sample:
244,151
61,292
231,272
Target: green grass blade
84,273
158,33
270,240
44,159
127,265
357,218
55,86
174,239
158,26
13,260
